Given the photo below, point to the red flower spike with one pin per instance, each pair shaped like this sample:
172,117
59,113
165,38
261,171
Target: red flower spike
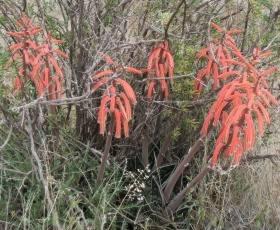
151,89
216,27
107,58
126,105
102,114
121,108
118,123
125,127
234,142
260,121
128,90
38,58
121,98
161,66
102,74
243,99
249,133
112,91
133,70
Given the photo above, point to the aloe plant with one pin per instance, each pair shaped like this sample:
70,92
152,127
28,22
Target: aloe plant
38,58
160,69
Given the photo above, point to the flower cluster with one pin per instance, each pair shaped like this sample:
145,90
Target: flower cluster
243,100
160,69
137,181
118,97
37,57
218,57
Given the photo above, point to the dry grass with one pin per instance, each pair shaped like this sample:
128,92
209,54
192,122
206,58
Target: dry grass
248,197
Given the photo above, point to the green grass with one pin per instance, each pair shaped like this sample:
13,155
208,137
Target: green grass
71,171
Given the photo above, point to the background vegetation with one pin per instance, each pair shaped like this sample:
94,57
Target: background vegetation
70,147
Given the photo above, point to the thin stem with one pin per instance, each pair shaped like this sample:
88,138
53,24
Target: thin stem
177,200
184,19
171,19
246,26
105,156
24,5
43,178
163,150
7,139
172,180
167,140
145,148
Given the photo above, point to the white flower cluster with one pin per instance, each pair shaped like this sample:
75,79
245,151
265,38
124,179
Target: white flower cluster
137,183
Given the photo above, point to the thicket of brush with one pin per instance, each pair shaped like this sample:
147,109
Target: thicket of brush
102,103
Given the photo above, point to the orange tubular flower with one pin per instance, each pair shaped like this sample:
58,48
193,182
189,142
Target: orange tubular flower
161,66
234,111
219,59
38,60
243,100
118,97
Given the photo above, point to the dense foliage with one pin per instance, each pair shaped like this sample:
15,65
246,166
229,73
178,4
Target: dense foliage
102,111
